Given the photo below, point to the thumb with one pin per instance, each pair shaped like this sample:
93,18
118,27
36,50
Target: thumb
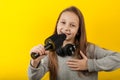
83,55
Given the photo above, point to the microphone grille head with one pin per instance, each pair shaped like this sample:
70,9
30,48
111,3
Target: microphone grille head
56,40
59,40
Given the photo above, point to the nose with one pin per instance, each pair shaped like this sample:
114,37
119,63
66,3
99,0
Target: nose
66,28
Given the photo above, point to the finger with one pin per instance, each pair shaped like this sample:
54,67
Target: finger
72,66
42,48
71,63
41,51
38,51
74,69
39,58
83,55
72,60
47,52
35,50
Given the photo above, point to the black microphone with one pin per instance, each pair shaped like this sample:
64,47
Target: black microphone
51,43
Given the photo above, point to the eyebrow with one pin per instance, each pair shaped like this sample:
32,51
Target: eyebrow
75,23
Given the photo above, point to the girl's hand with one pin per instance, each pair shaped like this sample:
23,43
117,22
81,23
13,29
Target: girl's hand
41,51
78,64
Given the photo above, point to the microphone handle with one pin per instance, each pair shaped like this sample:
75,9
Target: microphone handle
35,55
51,43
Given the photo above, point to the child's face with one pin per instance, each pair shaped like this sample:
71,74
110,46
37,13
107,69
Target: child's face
69,25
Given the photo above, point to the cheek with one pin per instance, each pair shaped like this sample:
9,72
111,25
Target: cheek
74,33
58,29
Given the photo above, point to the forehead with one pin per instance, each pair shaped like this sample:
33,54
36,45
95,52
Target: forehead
69,16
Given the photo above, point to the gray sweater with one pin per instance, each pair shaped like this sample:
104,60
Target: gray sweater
99,60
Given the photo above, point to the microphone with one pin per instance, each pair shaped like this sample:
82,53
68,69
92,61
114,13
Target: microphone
51,43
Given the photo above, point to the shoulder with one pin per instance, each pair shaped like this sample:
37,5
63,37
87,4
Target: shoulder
90,50
93,50
92,46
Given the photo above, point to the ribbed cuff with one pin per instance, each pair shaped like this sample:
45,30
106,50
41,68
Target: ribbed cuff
36,66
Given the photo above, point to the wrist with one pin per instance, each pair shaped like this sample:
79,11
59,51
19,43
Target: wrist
35,64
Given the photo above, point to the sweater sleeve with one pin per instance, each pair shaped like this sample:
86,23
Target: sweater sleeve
38,73
104,60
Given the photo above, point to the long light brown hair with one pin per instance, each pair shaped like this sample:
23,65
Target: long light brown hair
80,42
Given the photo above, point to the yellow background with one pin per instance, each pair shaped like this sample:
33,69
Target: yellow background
26,23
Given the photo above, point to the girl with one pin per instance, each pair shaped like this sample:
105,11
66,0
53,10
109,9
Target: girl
86,61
